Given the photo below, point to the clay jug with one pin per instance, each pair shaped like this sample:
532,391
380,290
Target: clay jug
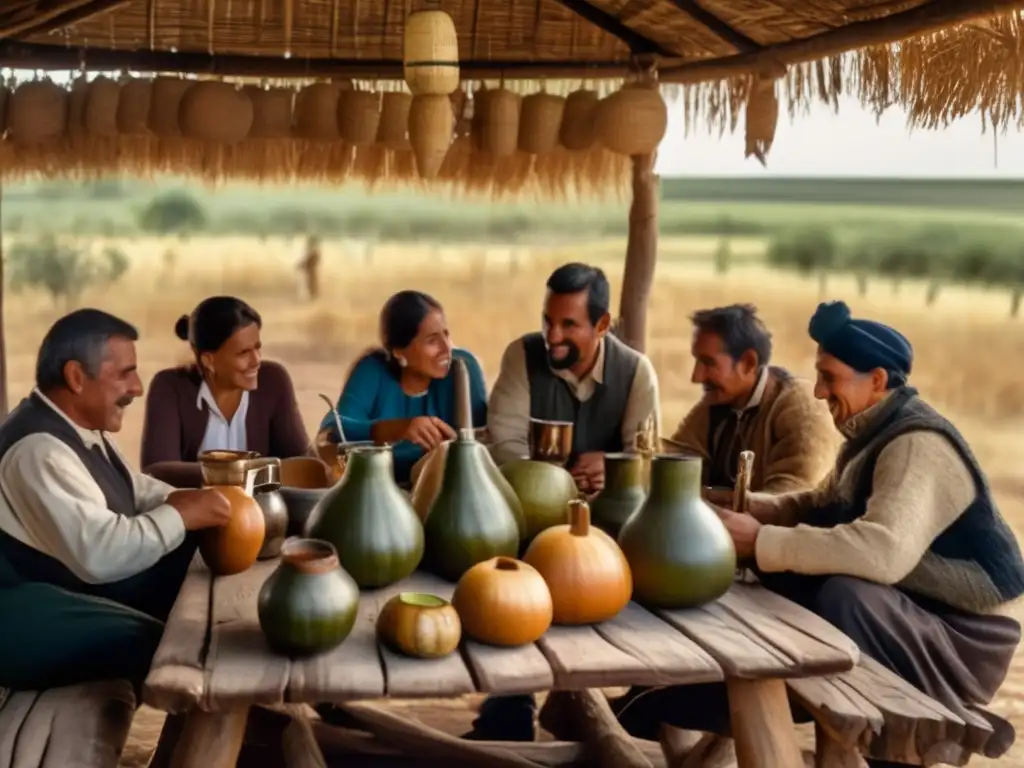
234,547
470,519
309,604
369,520
678,550
625,488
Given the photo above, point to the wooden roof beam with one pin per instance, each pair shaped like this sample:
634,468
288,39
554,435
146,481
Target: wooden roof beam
56,14
59,57
638,44
716,26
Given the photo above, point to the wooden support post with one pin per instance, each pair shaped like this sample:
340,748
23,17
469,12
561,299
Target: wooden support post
829,753
641,254
586,716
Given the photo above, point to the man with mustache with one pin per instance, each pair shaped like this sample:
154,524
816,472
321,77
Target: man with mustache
92,554
901,546
749,405
573,370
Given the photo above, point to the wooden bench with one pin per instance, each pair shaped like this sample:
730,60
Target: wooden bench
85,726
871,712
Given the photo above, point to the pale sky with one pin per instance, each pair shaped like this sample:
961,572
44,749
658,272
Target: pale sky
823,143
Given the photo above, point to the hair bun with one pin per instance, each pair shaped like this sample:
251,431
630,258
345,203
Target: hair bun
827,320
181,328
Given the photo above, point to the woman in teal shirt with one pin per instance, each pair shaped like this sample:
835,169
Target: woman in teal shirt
403,393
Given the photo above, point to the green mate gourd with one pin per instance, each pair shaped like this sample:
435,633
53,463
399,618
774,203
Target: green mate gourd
470,519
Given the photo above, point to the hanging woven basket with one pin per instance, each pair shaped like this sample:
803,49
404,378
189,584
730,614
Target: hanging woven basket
762,118
101,107
133,107
37,113
499,125
632,121
216,112
539,121
316,112
577,130
430,53
164,105
393,126
358,117
271,112
431,123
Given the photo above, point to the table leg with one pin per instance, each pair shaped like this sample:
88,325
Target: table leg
762,724
211,739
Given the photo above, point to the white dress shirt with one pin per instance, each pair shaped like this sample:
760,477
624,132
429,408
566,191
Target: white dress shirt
51,502
221,434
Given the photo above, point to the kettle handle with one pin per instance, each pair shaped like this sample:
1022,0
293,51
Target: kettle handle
263,474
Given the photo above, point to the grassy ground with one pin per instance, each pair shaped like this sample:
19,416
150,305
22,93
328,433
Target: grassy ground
968,353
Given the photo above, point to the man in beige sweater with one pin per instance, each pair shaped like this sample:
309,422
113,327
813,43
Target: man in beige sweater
750,405
901,546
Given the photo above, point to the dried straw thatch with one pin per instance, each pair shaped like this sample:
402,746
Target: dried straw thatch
724,59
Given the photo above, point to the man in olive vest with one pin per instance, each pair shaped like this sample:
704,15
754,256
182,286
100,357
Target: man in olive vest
574,370
92,554
901,546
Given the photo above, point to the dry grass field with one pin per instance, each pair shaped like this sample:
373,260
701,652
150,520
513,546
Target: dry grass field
970,356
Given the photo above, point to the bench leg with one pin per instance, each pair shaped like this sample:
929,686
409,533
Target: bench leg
829,753
211,739
762,724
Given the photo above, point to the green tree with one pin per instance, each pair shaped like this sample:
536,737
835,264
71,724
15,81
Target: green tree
61,269
172,213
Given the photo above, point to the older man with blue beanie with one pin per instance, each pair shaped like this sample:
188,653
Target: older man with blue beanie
901,546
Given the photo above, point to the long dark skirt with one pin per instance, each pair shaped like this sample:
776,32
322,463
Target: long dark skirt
955,657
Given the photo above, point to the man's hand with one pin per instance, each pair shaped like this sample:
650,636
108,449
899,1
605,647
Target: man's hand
719,497
203,508
743,529
588,472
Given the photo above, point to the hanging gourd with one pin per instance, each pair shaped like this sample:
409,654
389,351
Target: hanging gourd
503,602
625,488
100,113
393,126
420,625
543,490
499,122
430,53
470,519
633,120
369,520
679,551
431,125
271,112
216,112
133,106
585,570
164,104
358,116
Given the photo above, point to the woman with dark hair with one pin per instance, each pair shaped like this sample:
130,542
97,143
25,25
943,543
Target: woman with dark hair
403,392
227,399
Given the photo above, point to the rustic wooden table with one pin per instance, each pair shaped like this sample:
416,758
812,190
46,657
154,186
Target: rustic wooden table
213,665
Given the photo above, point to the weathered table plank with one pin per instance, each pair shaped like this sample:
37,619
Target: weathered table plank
743,633
671,656
176,679
240,666
581,658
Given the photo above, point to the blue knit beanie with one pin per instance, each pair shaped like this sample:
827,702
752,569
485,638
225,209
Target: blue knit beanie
862,344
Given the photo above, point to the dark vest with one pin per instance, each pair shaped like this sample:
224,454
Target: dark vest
20,562
598,421
979,537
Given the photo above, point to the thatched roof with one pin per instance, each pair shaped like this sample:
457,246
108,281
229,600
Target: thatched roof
939,59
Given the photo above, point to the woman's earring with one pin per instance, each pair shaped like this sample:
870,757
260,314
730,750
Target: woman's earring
401,361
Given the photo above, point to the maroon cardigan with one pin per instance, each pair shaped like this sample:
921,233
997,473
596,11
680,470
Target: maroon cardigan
174,427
